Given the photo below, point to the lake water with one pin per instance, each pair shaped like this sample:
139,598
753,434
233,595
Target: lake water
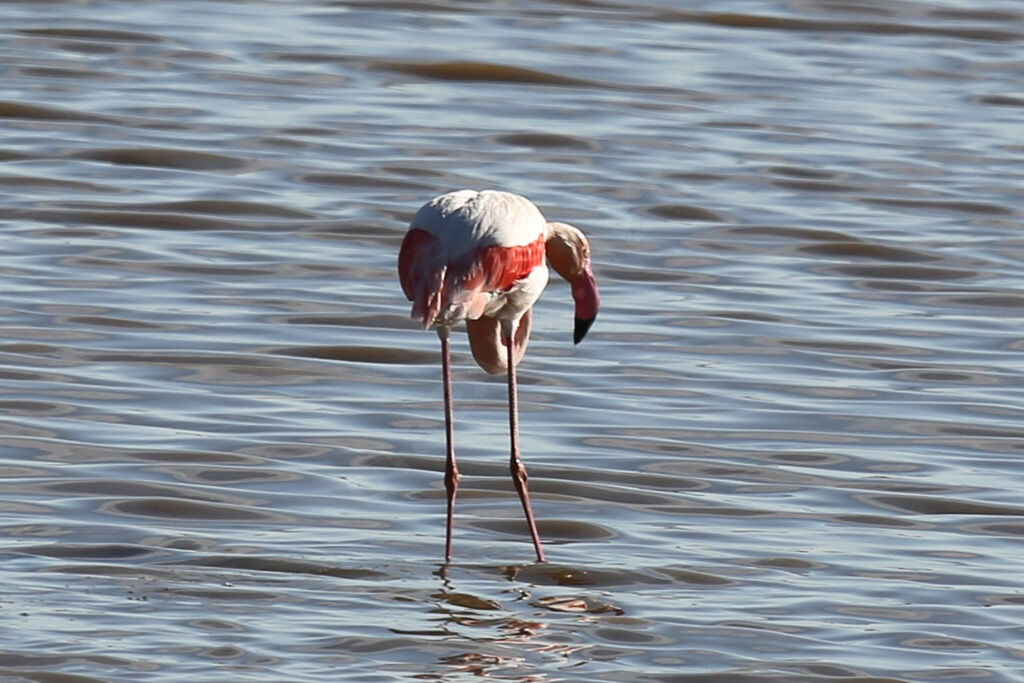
789,450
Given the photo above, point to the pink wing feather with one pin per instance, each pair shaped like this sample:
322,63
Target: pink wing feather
422,262
435,285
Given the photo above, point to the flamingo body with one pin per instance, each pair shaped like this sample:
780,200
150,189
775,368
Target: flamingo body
479,257
470,254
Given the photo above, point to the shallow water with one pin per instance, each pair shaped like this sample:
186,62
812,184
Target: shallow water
788,450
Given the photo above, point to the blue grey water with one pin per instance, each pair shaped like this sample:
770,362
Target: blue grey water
789,450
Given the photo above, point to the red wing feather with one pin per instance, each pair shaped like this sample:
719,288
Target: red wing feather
495,268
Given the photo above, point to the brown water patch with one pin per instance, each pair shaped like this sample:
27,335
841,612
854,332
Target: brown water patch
900,272
628,636
578,491
188,456
228,207
28,376
682,212
261,563
98,551
360,354
179,159
866,250
21,110
815,186
944,206
136,489
118,323
753,21
1015,529
228,476
546,141
801,172
34,408
66,72
8,155
217,625
548,528
481,72
370,320
178,509
712,511
787,563
981,14
786,232
1001,100
648,274
20,664
103,35
982,300
128,219
115,264
361,180
875,520
940,506
60,184
848,347
944,376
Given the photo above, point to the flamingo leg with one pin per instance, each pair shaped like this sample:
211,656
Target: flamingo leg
516,465
451,469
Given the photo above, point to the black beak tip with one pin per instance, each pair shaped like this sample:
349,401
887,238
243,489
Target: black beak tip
580,329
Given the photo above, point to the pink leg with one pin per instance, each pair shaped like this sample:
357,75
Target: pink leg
451,470
516,466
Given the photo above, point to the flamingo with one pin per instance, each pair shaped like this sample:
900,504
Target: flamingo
478,257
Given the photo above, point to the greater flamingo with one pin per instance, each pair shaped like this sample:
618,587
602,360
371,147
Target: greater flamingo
478,257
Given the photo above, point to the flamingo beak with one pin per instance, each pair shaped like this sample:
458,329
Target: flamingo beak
587,298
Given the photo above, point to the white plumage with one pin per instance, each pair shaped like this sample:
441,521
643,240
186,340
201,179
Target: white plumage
469,219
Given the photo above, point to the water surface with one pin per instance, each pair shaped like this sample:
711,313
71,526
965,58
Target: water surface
788,449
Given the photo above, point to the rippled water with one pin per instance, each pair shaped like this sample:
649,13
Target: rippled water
788,450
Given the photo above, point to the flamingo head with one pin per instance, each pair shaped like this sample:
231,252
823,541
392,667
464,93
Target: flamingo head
568,252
